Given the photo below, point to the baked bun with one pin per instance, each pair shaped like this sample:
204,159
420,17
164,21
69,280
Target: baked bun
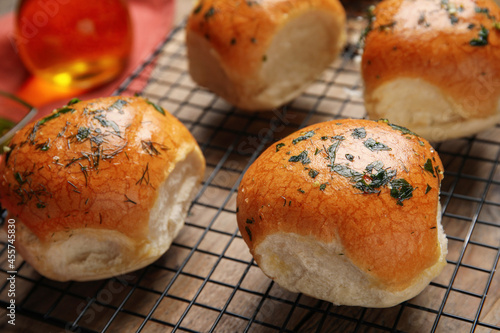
261,54
346,211
434,66
99,188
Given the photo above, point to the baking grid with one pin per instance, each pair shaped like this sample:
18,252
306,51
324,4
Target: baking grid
208,281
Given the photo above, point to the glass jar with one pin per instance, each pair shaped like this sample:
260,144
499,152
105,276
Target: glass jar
74,43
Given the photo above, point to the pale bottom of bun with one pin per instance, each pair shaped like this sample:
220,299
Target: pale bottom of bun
321,270
423,108
91,254
292,61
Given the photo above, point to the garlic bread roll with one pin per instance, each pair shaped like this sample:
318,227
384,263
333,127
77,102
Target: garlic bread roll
259,55
434,66
346,211
99,188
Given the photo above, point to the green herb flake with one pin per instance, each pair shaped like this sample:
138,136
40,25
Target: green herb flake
55,114
43,146
157,107
313,173
83,133
249,233
375,146
301,190
19,178
401,190
130,200
482,10
279,146
40,205
345,171
322,187
324,138
349,157
303,137
250,221
421,143
428,188
370,17
370,183
482,39
359,133
209,13
377,165
331,151
452,10
107,123
73,101
385,27
65,109
421,19
118,105
402,129
302,157
428,167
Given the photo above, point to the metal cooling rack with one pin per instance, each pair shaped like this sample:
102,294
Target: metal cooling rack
208,282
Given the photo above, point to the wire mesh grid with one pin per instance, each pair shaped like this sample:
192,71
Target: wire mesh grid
208,282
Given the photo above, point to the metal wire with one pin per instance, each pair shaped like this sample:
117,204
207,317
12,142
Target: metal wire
207,281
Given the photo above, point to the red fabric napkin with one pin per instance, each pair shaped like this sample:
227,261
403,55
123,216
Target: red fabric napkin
152,21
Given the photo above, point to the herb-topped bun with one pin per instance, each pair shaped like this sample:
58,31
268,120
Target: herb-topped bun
346,211
99,188
261,54
434,66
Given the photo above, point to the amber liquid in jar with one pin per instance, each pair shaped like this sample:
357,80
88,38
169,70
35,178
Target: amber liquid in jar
74,43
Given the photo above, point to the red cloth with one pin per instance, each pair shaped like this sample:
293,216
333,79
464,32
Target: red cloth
152,20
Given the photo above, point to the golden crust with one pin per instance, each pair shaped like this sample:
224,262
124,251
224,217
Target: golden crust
96,165
240,31
432,41
390,238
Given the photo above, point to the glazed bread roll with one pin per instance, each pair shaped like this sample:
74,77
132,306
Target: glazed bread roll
99,188
434,66
346,211
261,54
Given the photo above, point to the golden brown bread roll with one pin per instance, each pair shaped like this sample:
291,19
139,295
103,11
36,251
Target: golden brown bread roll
346,211
99,188
434,66
261,54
